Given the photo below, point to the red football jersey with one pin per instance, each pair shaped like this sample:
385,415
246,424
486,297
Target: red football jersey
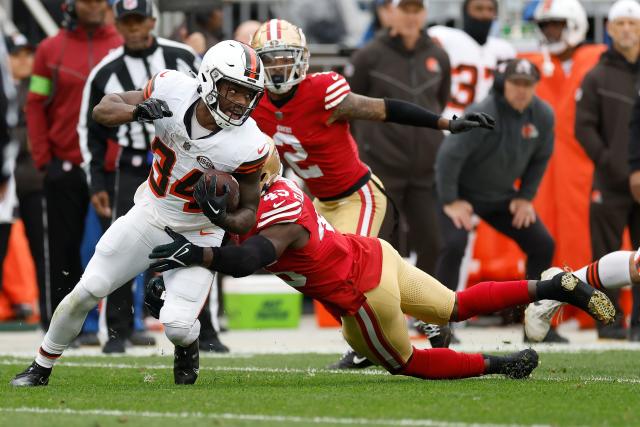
324,156
334,268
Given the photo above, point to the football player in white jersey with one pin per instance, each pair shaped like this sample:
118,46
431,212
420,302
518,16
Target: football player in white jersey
473,53
200,124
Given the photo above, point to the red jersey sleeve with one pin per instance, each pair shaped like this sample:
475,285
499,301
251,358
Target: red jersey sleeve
282,204
331,89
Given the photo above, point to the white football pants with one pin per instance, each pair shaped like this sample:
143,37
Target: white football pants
121,254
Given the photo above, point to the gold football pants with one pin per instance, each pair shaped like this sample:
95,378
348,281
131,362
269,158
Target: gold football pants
360,213
379,329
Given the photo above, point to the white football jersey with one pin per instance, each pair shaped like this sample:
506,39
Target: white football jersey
472,65
179,160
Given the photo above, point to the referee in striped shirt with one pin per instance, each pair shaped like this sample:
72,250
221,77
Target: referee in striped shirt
118,158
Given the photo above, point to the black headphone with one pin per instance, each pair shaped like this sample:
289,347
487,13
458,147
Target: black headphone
69,11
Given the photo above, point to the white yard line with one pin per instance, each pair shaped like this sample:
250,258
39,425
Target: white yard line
307,371
259,418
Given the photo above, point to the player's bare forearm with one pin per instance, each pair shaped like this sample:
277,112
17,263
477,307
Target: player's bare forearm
358,107
116,109
240,221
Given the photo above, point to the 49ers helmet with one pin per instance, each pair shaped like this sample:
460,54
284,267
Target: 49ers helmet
238,64
271,169
570,11
283,49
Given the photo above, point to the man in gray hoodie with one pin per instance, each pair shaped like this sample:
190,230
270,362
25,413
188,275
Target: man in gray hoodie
477,173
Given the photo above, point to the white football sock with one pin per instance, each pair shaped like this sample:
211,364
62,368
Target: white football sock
611,271
66,324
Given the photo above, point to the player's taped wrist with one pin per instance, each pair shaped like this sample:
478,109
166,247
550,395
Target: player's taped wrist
406,113
239,261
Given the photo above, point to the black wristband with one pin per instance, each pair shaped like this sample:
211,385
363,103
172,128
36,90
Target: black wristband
406,113
245,259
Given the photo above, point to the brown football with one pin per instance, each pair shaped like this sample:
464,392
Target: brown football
223,178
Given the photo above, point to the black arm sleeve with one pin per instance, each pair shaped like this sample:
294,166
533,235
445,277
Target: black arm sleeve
239,261
406,113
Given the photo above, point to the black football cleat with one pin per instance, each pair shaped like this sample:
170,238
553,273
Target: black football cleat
351,360
35,375
186,363
438,335
583,296
519,365
213,344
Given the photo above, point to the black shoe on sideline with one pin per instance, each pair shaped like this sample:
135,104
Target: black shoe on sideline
351,360
114,345
186,363
213,344
438,336
612,332
34,376
142,339
88,339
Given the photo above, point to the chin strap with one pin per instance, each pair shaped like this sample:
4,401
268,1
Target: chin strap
547,65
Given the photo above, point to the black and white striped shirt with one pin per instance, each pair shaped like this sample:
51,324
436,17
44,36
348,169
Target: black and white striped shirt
120,71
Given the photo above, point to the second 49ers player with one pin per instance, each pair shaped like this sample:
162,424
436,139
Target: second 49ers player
370,286
200,124
307,117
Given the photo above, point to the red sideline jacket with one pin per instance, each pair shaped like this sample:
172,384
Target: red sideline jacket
61,67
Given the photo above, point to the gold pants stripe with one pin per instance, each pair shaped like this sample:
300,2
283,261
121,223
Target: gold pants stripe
359,213
372,333
379,331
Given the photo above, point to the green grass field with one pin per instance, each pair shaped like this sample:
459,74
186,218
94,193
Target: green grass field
590,388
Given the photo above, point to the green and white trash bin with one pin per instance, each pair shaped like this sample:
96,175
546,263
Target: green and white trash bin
261,301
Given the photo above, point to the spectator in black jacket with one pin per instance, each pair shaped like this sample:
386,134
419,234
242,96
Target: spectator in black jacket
603,109
476,173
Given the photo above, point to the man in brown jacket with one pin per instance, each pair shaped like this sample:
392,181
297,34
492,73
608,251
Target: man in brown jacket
604,105
405,63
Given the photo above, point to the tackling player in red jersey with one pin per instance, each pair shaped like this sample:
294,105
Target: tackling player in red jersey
370,286
308,118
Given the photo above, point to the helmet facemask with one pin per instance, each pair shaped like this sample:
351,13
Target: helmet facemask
225,100
284,67
554,47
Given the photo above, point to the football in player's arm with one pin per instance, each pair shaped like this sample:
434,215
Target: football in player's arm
120,108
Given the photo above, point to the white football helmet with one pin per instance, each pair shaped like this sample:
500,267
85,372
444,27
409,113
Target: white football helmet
283,49
238,64
570,11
